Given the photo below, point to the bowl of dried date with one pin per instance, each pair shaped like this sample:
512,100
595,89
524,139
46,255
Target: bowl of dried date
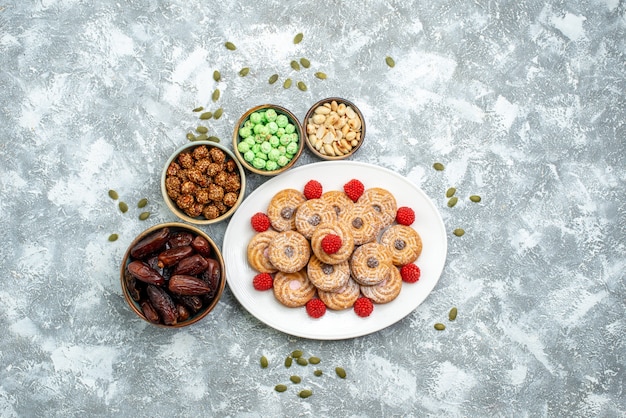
172,275
334,128
268,139
203,182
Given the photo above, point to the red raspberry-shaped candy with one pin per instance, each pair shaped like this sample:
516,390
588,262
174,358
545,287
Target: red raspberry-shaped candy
354,189
313,189
363,307
405,216
331,243
260,222
315,308
263,281
410,273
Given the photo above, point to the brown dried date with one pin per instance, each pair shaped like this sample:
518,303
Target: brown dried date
163,304
151,244
149,312
191,265
194,303
183,313
180,239
202,246
145,273
172,256
182,284
131,286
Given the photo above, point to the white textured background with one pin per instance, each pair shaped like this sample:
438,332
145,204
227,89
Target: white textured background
523,101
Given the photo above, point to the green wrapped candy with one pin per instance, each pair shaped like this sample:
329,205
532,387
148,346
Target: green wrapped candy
273,154
245,132
258,163
282,161
266,147
243,147
270,115
282,121
274,141
248,156
271,165
289,128
292,147
256,118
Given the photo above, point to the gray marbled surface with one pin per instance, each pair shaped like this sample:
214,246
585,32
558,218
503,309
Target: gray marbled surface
524,103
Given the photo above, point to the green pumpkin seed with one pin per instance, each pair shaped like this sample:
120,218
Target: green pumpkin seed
191,136
216,95
213,139
302,86
438,166
390,62
113,237
142,203
450,192
452,201
216,75
198,109
318,372
264,362
287,83
280,388
202,137
273,78
305,393
113,194
230,46
320,75
298,38
340,372
294,64
439,326
297,354
218,113
295,379
302,361
123,207
288,361
202,129
144,215
452,314
459,232
305,62
475,198
314,360
244,71
206,115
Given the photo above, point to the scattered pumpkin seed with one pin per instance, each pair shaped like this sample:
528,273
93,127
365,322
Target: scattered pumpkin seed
314,360
206,115
287,83
198,109
144,215
216,75
113,237
123,207
340,372
142,203
264,362
320,75
288,361
475,198
305,62
295,379
244,71
280,388
297,354
390,62
230,46
294,64
113,194
218,113
318,372
305,393
302,361
202,137
202,129
439,326
213,139
438,166
273,78
459,232
298,38
302,86
452,201
450,192
191,136
452,314
216,95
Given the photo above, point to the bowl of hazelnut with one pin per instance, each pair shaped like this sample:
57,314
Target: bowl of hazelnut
267,139
203,182
334,128
172,275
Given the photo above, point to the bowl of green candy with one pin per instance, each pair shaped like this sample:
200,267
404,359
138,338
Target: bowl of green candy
268,139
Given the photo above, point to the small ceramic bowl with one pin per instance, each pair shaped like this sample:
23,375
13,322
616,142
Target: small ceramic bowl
268,145
211,190
334,128
187,309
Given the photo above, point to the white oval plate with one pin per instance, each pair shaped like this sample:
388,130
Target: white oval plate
334,325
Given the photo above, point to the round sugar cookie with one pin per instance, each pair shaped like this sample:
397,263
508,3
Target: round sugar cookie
363,221
370,263
289,251
257,252
335,228
338,200
344,298
282,209
327,277
383,202
312,213
293,289
387,290
404,243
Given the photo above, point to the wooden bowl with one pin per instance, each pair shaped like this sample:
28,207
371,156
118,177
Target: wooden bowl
334,128
275,141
